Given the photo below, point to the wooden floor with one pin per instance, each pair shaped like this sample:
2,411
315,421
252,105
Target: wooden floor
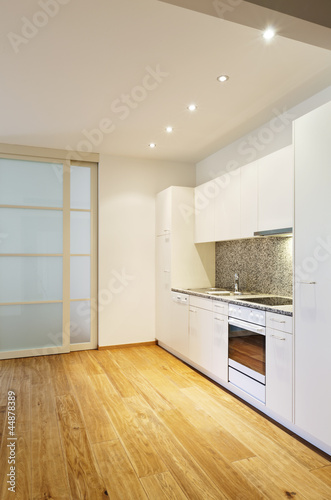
136,423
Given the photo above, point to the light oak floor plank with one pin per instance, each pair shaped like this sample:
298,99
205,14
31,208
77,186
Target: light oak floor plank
228,481
117,472
163,487
49,477
191,478
271,484
230,447
324,473
97,422
139,448
84,477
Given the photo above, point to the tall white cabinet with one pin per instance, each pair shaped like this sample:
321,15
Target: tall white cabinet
179,262
312,290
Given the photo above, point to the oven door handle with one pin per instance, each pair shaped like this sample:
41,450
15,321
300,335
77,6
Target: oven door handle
247,326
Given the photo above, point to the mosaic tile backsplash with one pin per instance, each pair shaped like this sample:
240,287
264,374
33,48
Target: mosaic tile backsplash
264,265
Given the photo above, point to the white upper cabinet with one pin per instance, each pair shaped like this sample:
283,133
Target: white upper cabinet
227,206
163,212
248,199
276,190
205,212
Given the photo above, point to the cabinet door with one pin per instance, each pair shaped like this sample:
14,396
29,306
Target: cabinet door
163,288
163,212
200,337
248,200
220,346
205,212
279,372
179,326
275,190
227,207
312,263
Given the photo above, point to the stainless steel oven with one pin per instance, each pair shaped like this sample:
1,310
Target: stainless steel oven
247,350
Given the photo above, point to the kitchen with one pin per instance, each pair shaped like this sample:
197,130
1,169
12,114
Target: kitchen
127,196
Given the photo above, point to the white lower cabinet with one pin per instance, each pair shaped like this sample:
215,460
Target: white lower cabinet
220,346
279,372
179,323
200,332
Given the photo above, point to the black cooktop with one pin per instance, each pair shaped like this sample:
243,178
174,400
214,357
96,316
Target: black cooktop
270,301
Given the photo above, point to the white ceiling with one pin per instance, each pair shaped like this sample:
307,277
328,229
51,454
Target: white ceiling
68,77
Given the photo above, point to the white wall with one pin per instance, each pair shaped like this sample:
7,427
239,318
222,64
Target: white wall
270,137
127,189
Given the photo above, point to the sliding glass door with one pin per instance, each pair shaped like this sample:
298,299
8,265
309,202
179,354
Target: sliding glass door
48,272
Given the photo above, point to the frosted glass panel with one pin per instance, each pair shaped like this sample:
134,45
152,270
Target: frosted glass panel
30,231
30,326
80,277
80,322
28,279
31,183
80,188
80,232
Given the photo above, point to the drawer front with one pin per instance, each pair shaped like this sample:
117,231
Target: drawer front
279,322
220,307
201,303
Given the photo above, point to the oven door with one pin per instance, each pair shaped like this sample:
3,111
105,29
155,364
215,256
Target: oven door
247,357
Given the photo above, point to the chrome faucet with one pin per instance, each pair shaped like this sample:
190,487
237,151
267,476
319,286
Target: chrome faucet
236,283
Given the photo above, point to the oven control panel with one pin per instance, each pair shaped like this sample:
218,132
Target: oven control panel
249,314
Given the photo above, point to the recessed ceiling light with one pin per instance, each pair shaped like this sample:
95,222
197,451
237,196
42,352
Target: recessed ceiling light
192,107
269,33
152,145
222,78
169,129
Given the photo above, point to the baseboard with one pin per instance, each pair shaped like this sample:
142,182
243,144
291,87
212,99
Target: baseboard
120,346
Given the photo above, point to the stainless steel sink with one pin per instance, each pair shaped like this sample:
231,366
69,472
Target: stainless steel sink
221,292
227,292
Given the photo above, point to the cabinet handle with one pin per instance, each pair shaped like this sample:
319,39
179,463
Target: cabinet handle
219,307
166,271
217,319
276,320
278,338
166,230
307,282
191,311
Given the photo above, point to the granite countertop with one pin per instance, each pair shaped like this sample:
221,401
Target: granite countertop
287,310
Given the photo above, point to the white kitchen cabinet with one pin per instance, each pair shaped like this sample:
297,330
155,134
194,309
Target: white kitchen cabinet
201,336
220,346
279,372
204,199
163,212
163,287
248,199
275,190
177,336
179,263
227,206
312,264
